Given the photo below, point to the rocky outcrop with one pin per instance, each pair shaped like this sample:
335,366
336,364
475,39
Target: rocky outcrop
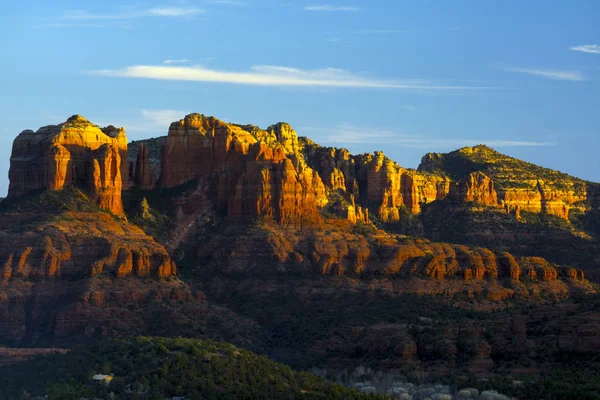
337,167
478,188
106,181
75,152
375,179
255,173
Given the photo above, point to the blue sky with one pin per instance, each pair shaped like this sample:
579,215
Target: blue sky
406,77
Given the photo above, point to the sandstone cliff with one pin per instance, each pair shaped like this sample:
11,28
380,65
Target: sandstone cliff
376,180
254,173
75,152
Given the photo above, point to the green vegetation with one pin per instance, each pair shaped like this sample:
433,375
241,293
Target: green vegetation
50,201
409,224
33,209
569,381
156,215
305,319
154,368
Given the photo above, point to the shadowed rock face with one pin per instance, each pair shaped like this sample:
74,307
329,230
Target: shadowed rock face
144,176
337,250
75,152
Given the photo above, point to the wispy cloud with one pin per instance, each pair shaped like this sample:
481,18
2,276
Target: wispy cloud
561,75
409,108
351,135
266,75
146,122
333,40
169,12
331,8
177,61
229,2
587,48
161,117
78,25
380,31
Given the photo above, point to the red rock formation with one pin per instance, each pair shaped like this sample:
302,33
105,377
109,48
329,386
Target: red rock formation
475,187
75,152
107,179
256,173
336,167
376,179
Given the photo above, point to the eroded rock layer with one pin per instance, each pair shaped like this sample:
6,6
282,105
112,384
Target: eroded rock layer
79,245
339,250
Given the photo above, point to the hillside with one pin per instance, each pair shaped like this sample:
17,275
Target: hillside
518,183
151,368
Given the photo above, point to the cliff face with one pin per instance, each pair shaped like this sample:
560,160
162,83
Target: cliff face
376,180
254,172
75,152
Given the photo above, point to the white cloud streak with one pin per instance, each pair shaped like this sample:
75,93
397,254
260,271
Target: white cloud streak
147,122
229,3
587,48
177,61
352,135
161,117
331,8
265,75
168,12
561,75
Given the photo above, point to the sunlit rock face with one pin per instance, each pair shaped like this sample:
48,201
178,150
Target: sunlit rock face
75,152
254,172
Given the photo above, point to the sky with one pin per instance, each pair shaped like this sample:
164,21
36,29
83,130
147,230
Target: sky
403,76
